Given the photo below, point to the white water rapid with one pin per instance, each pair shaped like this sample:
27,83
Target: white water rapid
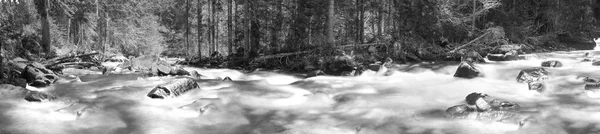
411,101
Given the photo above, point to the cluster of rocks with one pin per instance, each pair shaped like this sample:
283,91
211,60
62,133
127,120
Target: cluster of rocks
346,66
505,53
31,73
483,107
534,77
150,65
8,91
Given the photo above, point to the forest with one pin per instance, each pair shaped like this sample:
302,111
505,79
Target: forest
288,32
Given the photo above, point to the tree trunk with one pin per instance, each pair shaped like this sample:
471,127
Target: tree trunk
229,28
277,27
215,27
46,42
210,27
187,27
330,23
199,28
361,22
246,28
380,18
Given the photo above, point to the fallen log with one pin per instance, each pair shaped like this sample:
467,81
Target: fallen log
63,59
173,89
471,42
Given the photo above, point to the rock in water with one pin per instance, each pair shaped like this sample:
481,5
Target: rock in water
227,79
510,117
595,63
173,89
552,63
459,111
537,86
532,75
35,96
195,75
179,71
315,73
467,70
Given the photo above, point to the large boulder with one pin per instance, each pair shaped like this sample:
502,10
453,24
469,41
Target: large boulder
160,70
532,75
552,63
38,76
467,70
179,71
173,89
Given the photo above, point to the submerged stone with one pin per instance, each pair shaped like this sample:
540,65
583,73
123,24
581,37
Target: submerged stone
552,63
536,86
459,111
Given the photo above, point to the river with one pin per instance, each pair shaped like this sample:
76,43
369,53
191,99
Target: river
411,100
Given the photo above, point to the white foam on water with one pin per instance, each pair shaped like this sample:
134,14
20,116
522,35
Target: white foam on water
411,100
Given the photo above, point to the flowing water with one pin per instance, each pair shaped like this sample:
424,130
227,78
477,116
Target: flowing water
412,100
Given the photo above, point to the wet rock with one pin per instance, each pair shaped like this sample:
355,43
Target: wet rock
17,82
195,75
477,100
472,56
511,117
179,71
467,70
315,73
502,57
160,70
173,89
504,105
36,96
590,80
483,102
532,75
227,79
592,87
536,86
595,63
552,63
375,67
503,49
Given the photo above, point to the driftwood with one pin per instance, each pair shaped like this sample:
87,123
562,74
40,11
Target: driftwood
63,59
471,42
